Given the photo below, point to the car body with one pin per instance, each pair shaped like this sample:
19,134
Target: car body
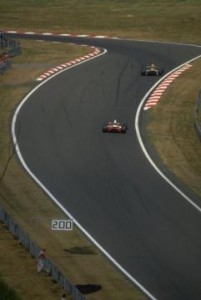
152,70
115,127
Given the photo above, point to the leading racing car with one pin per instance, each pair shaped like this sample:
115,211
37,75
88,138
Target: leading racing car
152,70
115,127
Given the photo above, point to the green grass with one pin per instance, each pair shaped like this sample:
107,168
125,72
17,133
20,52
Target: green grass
7,293
157,20
176,140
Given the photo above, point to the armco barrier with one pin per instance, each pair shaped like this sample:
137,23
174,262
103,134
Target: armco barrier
5,64
197,121
34,250
12,48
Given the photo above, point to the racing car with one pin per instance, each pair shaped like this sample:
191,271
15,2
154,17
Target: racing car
115,127
152,70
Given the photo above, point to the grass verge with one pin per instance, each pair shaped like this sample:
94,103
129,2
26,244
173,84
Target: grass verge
173,20
176,140
7,293
18,269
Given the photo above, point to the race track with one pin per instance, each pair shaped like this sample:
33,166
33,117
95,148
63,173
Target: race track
104,180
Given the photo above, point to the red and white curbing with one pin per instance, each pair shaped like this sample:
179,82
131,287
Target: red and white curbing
154,97
158,92
69,64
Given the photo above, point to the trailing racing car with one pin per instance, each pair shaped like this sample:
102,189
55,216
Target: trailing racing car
115,127
152,70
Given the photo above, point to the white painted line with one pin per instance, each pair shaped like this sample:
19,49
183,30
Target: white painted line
157,94
82,35
153,98
137,116
47,33
152,102
180,71
19,154
168,80
149,106
29,32
164,85
65,34
100,36
161,87
11,31
173,76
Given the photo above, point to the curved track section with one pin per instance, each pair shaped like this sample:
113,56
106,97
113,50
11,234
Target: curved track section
105,181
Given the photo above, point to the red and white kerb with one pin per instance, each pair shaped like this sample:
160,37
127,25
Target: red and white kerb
158,92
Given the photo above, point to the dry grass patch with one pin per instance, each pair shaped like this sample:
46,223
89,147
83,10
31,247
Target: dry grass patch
174,20
176,140
19,271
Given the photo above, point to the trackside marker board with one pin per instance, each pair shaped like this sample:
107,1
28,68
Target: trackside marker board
62,225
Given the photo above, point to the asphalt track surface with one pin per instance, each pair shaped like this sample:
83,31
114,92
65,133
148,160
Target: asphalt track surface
104,180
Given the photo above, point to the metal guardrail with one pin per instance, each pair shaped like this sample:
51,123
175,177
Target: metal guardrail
197,119
11,48
5,64
30,246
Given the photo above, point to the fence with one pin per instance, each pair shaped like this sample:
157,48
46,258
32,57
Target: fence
34,250
197,121
12,48
5,63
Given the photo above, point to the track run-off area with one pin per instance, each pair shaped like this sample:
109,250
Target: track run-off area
108,183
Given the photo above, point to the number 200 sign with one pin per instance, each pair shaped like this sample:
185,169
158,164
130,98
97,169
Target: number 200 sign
62,224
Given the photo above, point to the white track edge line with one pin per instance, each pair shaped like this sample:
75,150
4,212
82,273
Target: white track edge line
17,149
143,146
